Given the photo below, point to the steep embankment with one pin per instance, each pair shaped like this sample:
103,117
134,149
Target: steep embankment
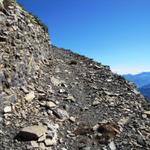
52,98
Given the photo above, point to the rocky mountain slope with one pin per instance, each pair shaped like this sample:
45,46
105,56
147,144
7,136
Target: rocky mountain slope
54,99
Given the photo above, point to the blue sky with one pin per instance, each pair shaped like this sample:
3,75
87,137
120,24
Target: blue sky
114,32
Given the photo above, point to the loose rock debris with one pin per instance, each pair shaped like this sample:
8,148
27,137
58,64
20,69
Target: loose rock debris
54,99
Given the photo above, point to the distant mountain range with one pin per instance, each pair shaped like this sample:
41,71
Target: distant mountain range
145,90
142,81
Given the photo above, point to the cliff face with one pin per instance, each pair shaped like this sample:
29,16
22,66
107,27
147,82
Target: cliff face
24,47
52,98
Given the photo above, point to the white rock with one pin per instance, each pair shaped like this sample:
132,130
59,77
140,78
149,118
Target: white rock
34,144
1,132
95,127
61,114
62,91
112,146
72,119
95,102
42,138
147,112
49,142
29,97
109,80
7,109
71,98
50,104
42,146
123,120
144,116
63,148
136,92
56,82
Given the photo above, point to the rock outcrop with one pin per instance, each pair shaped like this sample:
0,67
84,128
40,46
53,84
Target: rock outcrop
54,99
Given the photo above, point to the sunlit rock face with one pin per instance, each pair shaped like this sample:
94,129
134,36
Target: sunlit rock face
52,98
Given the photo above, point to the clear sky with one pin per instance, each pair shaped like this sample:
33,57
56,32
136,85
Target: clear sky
114,32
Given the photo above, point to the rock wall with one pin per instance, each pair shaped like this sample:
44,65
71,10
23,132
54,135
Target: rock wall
24,51
24,47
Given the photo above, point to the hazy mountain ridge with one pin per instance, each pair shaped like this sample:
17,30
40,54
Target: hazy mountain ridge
145,90
142,81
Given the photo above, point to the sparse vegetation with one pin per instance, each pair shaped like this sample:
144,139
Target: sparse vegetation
39,22
35,18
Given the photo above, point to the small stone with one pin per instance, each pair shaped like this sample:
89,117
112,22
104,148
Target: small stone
61,114
87,148
96,102
42,146
72,119
147,113
34,144
1,119
24,89
1,132
109,80
112,146
71,98
123,121
7,109
42,138
136,92
144,116
95,127
111,93
7,123
52,126
29,97
63,148
140,140
62,91
66,107
50,104
56,82
52,132
60,140
49,142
